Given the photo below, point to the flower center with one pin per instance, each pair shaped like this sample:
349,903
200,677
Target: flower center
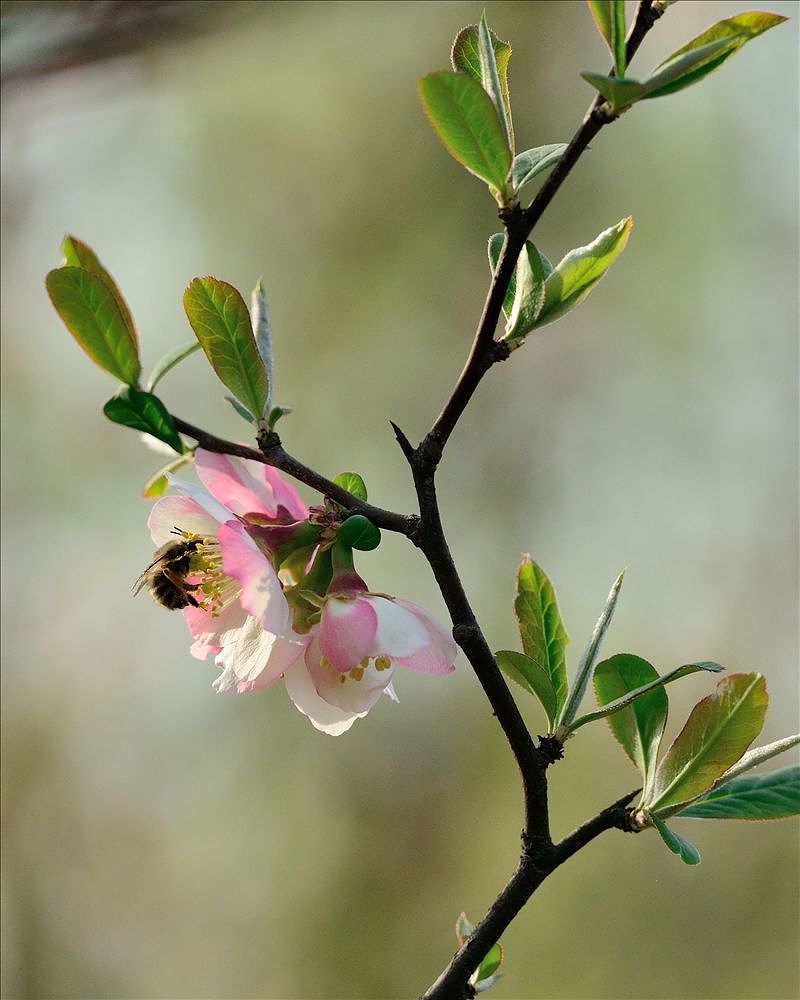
356,673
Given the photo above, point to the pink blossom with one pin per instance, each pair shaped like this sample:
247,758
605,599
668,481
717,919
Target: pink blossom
349,662
242,617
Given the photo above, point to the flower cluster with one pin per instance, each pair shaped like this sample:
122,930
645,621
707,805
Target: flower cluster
274,594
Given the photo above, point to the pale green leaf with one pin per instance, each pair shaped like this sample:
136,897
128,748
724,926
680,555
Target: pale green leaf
580,270
169,361
529,295
620,92
532,162
588,659
490,79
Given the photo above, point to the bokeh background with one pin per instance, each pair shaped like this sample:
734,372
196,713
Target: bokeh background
161,841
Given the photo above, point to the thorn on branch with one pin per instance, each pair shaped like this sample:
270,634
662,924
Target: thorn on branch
405,445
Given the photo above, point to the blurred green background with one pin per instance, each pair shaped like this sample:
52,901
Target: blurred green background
162,841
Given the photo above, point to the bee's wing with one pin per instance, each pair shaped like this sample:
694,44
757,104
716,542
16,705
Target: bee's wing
142,579
157,558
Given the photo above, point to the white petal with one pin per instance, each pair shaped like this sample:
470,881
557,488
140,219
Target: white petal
179,512
399,632
202,497
324,717
259,655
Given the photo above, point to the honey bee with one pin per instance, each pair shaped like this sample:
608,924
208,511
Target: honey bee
165,576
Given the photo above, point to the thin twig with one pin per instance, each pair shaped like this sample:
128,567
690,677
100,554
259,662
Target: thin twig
534,867
275,456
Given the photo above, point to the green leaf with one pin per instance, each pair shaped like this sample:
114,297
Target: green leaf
465,57
534,161
77,254
262,331
620,92
580,270
360,533
689,67
640,726
353,483
753,758
490,79
630,693
219,317
276,413
143,412
157,485
495,245
532,676
465,119
719,730
529,294
587,661
609,16
243,412
752,796
91,314
169,361
736,30
540,627
490,964
688,852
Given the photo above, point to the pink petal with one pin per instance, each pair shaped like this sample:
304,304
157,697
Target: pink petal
243,561
347,631
200,650
439,655
400,632
216,630
245,486
179,512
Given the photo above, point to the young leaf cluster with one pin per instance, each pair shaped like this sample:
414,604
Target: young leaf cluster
685,66
689,779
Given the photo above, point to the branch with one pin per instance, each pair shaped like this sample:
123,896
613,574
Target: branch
272,453
519,224
535,865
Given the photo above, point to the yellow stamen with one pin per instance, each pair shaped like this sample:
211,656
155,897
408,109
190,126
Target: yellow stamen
382,663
